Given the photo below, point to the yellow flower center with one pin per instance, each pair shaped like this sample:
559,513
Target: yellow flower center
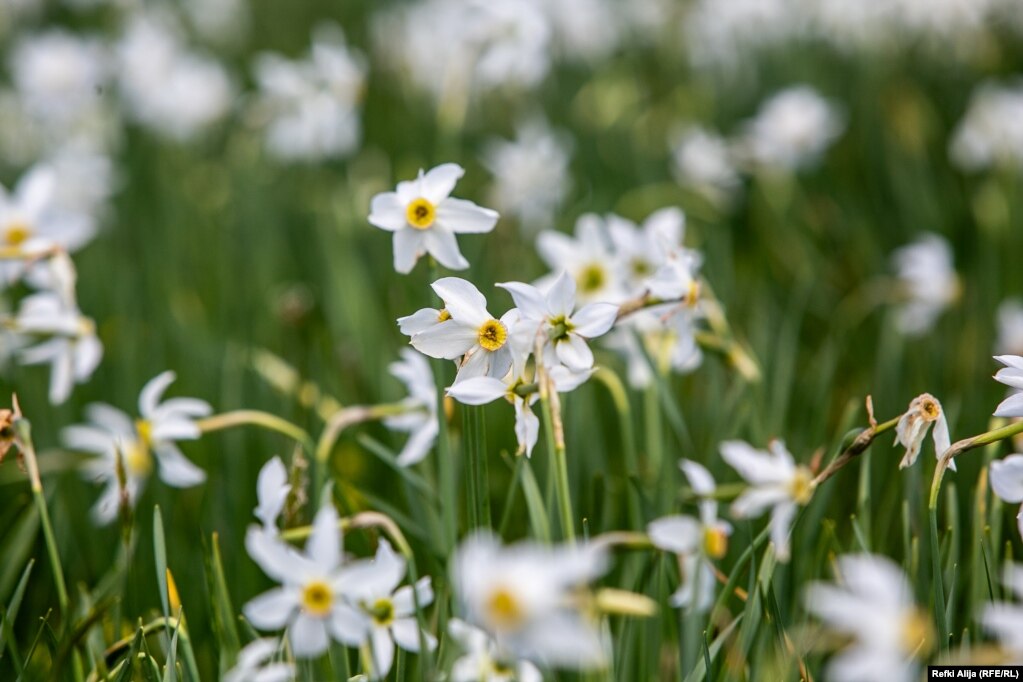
144,428
802,486
443,315
641,267
591,278
382,612
137,460
715,542
916,634
317,598
693,294
930,410
504,610
421,213
492,335
17,233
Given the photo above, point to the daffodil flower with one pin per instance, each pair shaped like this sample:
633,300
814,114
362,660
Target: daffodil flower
1012,376
566,329
419,419
777,483
587,257
311,601
874,606
924,412
1005,619
640,251
390,611
141,445
483,661
1007,482
695,541
469,334
272,489
424,218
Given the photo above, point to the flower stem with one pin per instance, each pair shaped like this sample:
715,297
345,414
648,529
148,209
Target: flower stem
556,447
477,481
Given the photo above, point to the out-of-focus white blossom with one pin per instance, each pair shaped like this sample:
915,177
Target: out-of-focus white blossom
991,131
419,420
587,256
1004,620
792,130
1007,482
1010,327
255,664
703,160
483,661
927,283
312,104
272,489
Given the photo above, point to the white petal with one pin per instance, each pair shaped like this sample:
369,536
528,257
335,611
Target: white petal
110,418
754,501
527,427
278,560
699,478
404,605
443,246
463,301
387,212
419,444
464,217
176,469
324,545
1007,478
1011,406
408,246
781,525
556,249
406,635
478,390
437,184
942,439
151,393
678,534
308,636
175,429
595,319
348,625
448,341
382,647
574,353
756,466
528,299
561,295
419,321
272,490
271,610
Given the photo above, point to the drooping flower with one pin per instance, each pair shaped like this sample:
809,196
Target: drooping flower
587,257
523,596
1004,620
469,334
419,420
695,541
924,412
483,661
311,601
139,445
874,606
424,218
1012,376
927,283
256,664
778,483
372,588
554,315
1007,482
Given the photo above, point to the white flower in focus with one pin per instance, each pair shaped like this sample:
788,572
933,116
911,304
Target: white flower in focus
1007,482
167,87
873,604
587,257
470,334
566,329
923,412
703,160
483,662
793,129
531,174
311,600
1012,376
991,132
272,489
425,218
1004,620
927,281
255,664
1010,327
695,541
777,483
141,445
312,104
523,596
372,587
420,418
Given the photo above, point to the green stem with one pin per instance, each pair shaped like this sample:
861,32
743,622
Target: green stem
559,461
621,400
445,462
228,420
477,481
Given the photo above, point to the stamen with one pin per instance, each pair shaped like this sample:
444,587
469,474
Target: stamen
421,213
492,335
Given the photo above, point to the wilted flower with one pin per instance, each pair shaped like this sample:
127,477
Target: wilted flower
1007,482
1005,619
1012,376
927,281
523,596
255,664
777,483
483,661
874,605
419,420
131,445
312,103
923,412
587,257
793,129
468,332
695,541
6,432
566,330
425,218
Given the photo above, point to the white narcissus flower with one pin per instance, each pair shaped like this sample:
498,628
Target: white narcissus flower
777,483
703,160
566,329
927,281
523,596
139,444
255,664
793,129
696,542
483,661
641,251
311,600
1010,327
991,131
424,218
419,420
587,257
1012,376
873,604
468,333
272,490
1004,620
390,611
1007,482
667,338
923,412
